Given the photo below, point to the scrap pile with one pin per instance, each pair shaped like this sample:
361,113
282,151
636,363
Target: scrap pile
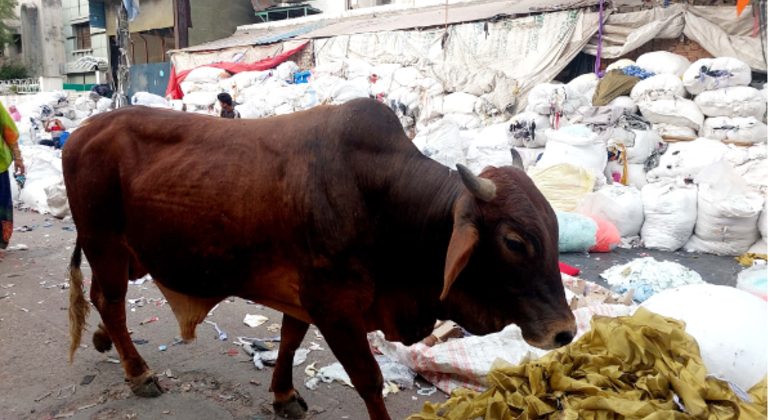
628,158
44,189
659,152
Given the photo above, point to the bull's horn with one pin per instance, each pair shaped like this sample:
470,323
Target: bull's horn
482,188
517,162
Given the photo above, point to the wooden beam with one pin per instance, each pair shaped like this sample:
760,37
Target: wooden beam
182,23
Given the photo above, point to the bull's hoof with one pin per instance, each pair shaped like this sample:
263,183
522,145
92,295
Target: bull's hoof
146,386
295,408
102,341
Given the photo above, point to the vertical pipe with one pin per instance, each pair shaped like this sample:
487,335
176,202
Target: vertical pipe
146,49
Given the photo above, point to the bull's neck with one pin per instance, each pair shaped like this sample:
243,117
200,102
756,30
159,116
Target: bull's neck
422,197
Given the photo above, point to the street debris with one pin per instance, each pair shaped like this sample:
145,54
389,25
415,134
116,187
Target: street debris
18,247
754,279
87,380
658,275
162,348
211,312
169,374
42,397
222,334
274,328
140,281
427,391
140,342
442,332
66,394
147,321
113,361
400,375
254,321
602,350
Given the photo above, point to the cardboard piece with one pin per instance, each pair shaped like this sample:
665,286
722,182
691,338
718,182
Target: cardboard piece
443,331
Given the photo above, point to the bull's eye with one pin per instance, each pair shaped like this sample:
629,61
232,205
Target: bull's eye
515,246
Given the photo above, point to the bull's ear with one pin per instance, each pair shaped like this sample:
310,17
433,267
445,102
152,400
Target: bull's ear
465,236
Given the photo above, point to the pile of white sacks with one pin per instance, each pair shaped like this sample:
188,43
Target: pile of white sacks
44,189
701,195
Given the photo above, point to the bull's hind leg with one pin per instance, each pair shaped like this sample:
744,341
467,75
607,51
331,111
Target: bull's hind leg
108,294
288,403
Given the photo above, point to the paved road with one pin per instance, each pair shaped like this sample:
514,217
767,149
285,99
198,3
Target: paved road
208,383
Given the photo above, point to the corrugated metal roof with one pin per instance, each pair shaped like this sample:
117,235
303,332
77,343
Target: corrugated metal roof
438,16
257,37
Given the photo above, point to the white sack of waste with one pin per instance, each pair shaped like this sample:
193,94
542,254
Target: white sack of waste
356,67
441,141
34,193
670,210
624,102
686,159
727,212
759,247
584,85
681,112
660,275
754,172
459,103
384,70
636,175
657,88
464,121
670,130
546,98
716,73
563,185
491,147
57,201
408,76
739,101
644,143
529,129
335,69
576,145
663,62
147,99
285,71
104,104
529,156
737,129
621,205
200,99
206,75
347,91
762,222
621,64
84,104
730,326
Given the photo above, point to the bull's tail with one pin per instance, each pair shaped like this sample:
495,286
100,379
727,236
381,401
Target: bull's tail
79,308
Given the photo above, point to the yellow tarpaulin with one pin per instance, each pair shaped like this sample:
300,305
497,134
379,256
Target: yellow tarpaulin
623,368
747,259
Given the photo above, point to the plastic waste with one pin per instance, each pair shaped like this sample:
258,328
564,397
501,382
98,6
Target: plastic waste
254,321
607,236
729,325
642,291
754,279
659,275
577,233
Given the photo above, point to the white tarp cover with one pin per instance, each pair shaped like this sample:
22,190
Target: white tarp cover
716,28
530,50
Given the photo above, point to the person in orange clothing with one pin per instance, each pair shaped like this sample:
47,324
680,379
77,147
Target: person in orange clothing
9,153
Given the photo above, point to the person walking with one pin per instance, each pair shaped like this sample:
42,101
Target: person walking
9,153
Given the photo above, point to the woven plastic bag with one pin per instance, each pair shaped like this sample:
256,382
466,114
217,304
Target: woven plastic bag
563,185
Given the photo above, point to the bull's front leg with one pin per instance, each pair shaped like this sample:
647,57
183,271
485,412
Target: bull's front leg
288,403
338,313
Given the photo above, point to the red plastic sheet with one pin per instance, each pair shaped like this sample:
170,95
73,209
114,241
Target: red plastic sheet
174,91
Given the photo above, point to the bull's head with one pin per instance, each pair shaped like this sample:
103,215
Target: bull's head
503,259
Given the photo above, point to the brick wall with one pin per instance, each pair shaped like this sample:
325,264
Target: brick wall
682,46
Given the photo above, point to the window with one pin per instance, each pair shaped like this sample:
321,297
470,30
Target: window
82,36
17,43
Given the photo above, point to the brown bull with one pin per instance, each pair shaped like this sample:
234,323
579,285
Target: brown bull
331,216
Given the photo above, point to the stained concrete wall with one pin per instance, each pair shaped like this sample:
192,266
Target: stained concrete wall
214,20
42,36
